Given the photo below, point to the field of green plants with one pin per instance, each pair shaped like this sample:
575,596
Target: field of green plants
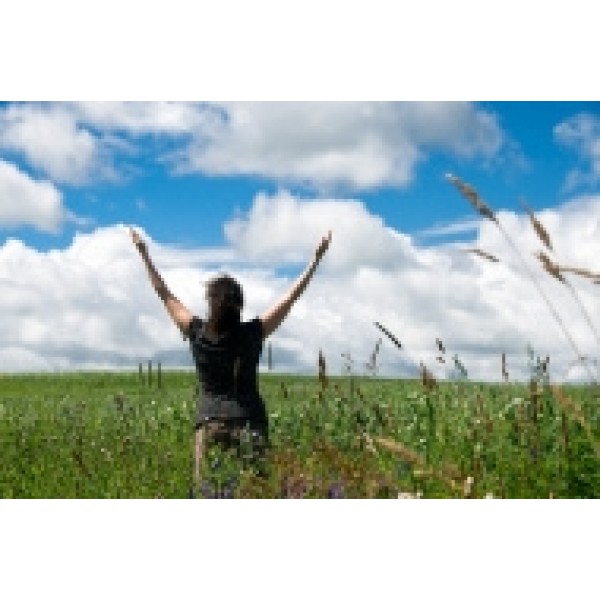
112,435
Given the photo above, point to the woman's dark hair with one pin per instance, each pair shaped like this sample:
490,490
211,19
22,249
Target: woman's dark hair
225,303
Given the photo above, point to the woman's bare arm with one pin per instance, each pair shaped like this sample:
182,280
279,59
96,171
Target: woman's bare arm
273,317
178,311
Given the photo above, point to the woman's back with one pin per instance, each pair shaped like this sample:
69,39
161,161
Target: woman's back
227,366
226,352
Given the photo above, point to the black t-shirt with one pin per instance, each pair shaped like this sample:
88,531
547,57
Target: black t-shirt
227,370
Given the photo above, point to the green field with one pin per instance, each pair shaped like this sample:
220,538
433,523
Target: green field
112,435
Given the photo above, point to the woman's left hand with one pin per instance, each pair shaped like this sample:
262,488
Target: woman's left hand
137,240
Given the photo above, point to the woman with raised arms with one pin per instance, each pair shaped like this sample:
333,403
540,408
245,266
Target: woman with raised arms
226,352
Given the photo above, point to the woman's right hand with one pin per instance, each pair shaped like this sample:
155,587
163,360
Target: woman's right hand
323,246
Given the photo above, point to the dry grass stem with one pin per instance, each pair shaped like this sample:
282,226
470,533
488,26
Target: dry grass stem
448,474
322,370
483,254
582,272
442,351
473,197
504,370
427,378
470,193
391,336
541,231
372,364
550,267
554,270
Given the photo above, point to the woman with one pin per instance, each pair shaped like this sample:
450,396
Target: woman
226,352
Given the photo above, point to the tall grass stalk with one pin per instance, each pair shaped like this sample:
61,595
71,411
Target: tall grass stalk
550,306
554,269
473,197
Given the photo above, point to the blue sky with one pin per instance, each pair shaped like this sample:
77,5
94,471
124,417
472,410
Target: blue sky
250,187
190,208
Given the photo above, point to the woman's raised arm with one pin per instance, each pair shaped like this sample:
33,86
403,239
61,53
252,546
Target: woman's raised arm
273,317
178,312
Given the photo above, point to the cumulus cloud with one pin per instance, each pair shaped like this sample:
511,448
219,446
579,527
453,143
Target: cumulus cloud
76,143
376,273
51,141
355,144
25,201
582,134
140,118
87,305
325,145
91,304
284,228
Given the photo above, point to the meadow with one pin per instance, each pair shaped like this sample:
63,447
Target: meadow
122,435
114,435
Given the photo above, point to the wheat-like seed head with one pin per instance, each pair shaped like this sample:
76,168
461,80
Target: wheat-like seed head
390,335
537,226
550,267
581,272
441,350
504,369
448,473
470,193
483,254
322,370
427,378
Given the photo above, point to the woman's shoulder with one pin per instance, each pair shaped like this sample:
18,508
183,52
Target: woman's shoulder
253,327
194,328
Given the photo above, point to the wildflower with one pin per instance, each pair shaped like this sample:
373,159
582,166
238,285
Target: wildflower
410,496
468,485
336,490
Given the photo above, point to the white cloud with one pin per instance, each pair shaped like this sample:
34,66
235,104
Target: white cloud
358,145
51,141
283,228
91,304
25,201
76,143
354,144
581,133
138,118
454,228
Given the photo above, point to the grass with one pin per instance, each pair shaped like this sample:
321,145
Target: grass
108,435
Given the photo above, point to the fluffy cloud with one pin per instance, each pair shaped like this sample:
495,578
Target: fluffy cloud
581,133
140,118
51,141
354,144
357,145
284,228
87,305
25,201
478,308
90,305
76,143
